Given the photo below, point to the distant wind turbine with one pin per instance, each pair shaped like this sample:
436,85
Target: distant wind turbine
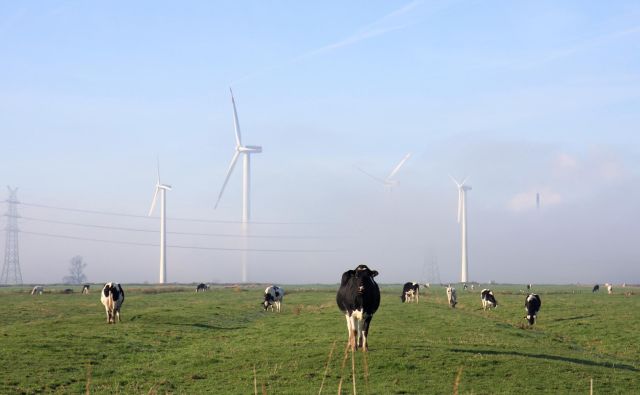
462,220
162,188
389,182
538,200
246,151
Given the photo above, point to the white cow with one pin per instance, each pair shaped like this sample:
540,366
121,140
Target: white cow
85,289
273,295
112,297
609,288
37,290
451,296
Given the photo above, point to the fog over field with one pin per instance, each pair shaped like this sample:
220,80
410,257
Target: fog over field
523,99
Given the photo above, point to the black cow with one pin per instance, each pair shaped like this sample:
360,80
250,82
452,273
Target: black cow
358,298
202,287
532,305
488,299
410,292
596,288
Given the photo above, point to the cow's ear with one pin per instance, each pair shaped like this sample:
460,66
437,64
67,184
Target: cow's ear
374,273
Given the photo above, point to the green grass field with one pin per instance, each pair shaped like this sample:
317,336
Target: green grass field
177,341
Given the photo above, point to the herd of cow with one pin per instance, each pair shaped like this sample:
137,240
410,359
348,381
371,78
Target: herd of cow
358,298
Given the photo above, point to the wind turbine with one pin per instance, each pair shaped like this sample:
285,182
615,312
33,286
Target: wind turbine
162,188
246,151
389,182
462,220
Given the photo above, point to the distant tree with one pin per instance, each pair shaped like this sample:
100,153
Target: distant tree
76,271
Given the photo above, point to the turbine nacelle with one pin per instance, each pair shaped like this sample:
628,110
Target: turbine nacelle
249,149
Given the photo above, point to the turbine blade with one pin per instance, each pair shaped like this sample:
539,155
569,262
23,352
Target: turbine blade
231,166
370,175
398,166
236,124
465,180
153,202
455,181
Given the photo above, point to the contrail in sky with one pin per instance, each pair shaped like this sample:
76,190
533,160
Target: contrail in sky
366,32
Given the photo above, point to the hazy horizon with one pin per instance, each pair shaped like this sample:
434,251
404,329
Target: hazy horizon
520,98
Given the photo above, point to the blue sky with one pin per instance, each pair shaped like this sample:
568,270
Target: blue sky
522,97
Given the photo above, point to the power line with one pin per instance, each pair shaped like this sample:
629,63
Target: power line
115,214
175,246
227,235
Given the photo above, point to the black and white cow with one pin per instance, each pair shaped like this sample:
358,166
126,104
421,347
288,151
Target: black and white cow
609,288
410,293
358,298
202,287
452,297
85,289
37,290
532,305
596,288
488,299
112,297
273,296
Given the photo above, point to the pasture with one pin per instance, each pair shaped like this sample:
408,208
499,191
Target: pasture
173,340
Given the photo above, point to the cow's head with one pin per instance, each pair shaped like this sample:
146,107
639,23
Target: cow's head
531,318
364,275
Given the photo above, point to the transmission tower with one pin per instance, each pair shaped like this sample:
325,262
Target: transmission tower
433,275
11,270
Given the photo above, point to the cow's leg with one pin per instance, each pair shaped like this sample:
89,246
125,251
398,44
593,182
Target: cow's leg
351,328
365,331
117,314
108,315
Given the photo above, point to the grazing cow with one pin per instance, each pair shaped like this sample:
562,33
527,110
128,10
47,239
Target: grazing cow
85,289
488,299
532,305
451,296
202,287
37,290
596,288
410,292
473,286
358,298
528,287
273,295
112,297
464,286
609,288
68,291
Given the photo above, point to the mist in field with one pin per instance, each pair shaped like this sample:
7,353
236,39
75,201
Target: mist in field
545,104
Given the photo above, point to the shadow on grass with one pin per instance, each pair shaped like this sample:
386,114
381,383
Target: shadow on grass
209,327
579,317
585,362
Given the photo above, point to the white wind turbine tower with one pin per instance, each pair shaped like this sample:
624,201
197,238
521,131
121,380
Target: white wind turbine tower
389,182
246,151
162,188
462,220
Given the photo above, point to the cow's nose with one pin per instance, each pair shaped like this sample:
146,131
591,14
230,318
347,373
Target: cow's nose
361,288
